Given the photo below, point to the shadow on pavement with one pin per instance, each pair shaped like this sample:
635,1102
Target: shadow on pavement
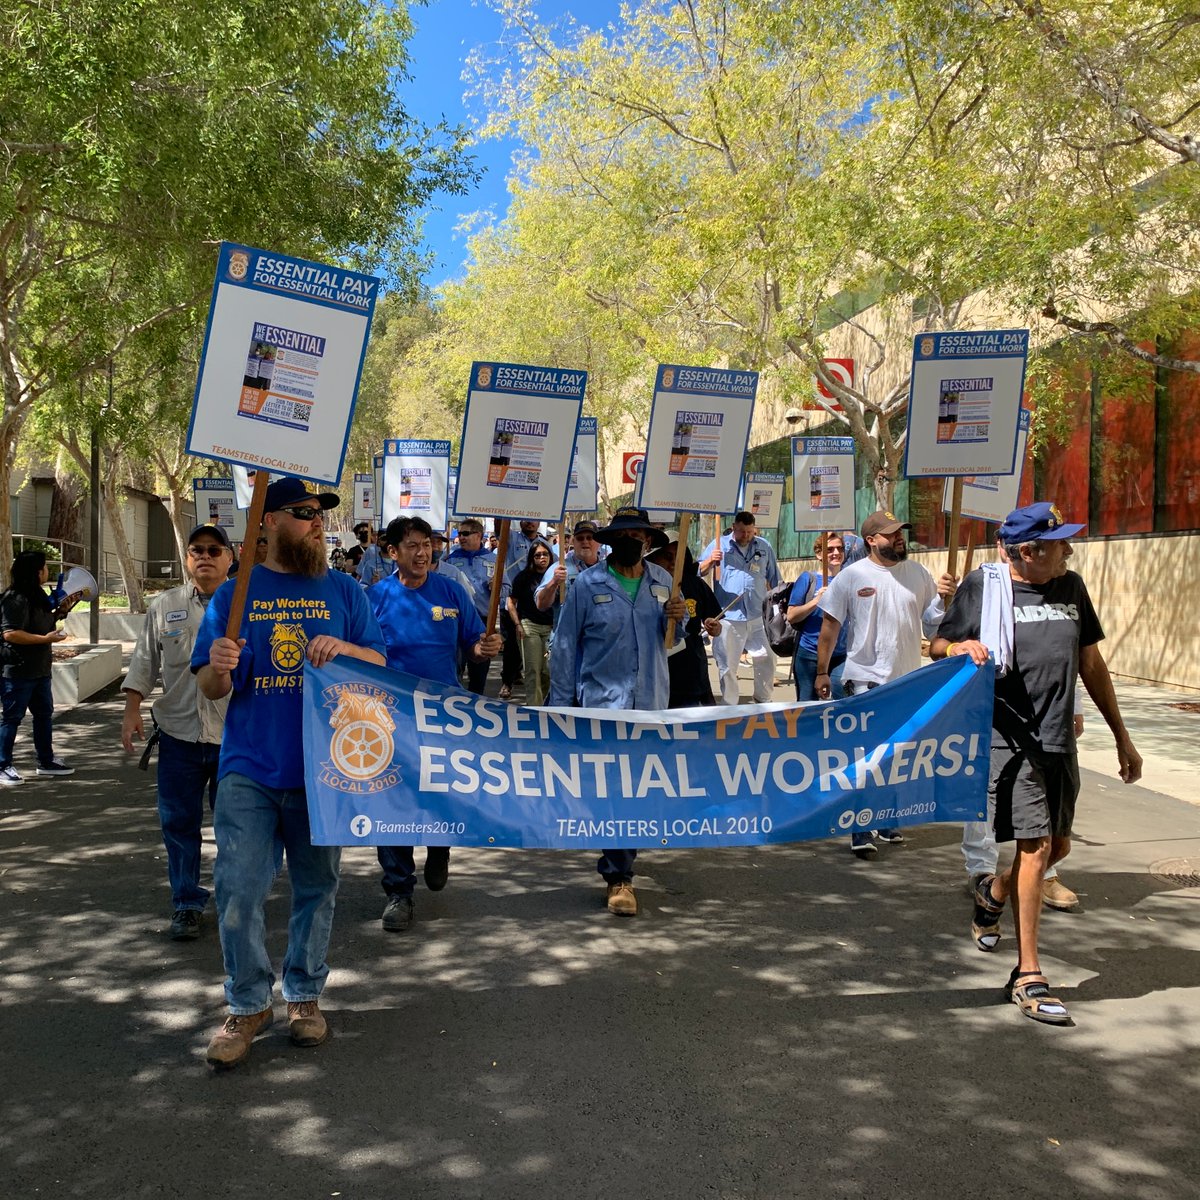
778,1022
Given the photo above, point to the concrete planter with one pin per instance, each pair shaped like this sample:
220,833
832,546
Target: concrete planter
89,672
114,626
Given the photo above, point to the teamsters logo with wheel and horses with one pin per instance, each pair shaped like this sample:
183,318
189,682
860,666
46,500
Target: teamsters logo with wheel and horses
360,750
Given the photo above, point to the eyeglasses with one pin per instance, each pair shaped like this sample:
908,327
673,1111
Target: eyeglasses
305,512
462,533
206,551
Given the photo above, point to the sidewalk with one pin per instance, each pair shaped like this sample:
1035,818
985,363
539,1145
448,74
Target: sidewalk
778,1022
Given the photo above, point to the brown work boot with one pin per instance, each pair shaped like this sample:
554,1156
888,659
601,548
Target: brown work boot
231,1043
305,1023
1056,894
622,900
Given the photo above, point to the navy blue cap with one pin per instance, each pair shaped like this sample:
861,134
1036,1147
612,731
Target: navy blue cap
290,490
1041,522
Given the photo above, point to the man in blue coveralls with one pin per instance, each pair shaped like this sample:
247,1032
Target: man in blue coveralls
610,650
478,564
426,620
748,572
296,609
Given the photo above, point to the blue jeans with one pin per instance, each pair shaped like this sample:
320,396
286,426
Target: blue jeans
186,770
804,672
253,823
36,697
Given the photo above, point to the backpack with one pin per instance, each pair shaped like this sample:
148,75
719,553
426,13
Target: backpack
781,636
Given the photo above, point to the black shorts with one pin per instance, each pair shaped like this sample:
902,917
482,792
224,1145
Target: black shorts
1032,795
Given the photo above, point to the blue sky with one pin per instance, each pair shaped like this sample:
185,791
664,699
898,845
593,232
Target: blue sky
447,32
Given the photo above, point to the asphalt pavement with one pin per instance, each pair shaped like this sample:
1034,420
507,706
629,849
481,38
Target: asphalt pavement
778,1022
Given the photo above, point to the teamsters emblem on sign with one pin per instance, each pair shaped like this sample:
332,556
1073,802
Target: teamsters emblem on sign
484,377
239,265
926,347
668,378
361,746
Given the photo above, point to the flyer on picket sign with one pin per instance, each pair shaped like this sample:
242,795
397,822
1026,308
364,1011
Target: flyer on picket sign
696,444
216,504
281,362
583,488
964,402
762,497
416,480
823,484
992,497
520,430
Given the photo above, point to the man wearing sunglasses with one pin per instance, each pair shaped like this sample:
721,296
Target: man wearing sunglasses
187,725
296,609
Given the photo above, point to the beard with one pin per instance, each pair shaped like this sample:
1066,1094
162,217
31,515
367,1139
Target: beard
892,553
300,555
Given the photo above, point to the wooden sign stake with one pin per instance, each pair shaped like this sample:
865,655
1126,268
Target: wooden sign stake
685,524
955,521
258,501
498,575
971,531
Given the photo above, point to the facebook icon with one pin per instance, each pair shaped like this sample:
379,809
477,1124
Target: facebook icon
360,826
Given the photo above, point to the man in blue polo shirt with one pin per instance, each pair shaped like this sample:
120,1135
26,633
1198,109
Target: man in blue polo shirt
296,609
748,572
427,620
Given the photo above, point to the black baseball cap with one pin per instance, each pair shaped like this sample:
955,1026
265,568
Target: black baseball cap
213,531
290,490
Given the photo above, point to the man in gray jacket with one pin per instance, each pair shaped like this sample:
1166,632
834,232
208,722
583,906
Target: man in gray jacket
188,726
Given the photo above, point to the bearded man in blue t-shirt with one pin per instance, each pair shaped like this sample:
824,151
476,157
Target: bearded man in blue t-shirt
427,620
296,609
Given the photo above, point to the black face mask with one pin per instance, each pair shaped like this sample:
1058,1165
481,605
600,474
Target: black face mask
625,551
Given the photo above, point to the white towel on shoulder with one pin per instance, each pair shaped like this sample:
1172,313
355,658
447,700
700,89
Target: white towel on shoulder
996,622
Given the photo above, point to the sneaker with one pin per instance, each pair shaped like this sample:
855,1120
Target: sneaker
437,867
1056,894
622,900
398,915
506,691
55,768
306,1025
231,1043
10,775
863,845
892,836
185,925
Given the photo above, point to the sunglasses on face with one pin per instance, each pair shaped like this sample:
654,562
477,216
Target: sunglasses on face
305,512
206,551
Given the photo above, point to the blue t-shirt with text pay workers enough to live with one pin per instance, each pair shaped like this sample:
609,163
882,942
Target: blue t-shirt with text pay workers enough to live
284,612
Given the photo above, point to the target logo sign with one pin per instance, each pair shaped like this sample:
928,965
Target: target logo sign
842,369
631,465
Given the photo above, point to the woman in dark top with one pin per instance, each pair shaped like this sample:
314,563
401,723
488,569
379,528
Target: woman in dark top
533,625
28,626
687,661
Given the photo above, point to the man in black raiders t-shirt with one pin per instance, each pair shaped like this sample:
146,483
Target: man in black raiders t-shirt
1034,775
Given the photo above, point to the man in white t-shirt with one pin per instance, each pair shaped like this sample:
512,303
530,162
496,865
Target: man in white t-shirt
888,602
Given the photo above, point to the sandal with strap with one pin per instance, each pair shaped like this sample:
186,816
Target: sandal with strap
985,923
1034,998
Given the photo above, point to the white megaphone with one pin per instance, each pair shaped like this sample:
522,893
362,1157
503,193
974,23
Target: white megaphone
73,586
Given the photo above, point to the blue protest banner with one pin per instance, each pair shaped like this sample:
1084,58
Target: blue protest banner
392,759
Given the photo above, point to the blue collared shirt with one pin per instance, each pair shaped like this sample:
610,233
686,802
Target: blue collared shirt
478,566
748,573
608,650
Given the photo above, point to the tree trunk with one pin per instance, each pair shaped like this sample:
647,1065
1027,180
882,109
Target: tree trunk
116,523
67,510
7,452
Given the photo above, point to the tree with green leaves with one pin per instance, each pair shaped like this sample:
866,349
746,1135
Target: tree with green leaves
769,171
135,138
